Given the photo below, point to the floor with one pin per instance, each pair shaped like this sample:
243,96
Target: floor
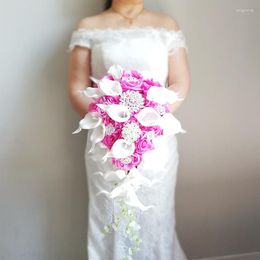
249,256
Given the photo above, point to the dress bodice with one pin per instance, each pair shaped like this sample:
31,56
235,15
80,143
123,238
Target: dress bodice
142,48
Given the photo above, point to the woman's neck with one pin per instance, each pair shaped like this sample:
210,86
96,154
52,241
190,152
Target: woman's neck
128,7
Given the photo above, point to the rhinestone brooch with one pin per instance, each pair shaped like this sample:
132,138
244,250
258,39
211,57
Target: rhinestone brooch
133,100
110,129
131,132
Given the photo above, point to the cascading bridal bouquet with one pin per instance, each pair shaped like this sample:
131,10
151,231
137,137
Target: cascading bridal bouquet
129,111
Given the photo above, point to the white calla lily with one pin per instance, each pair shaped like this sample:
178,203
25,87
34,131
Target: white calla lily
148,116
104,87
97,135
92,92
162,95
137,179
126,189
129,196
122,149
110,87
170,124
173,96
90,121
116,71
99,152
107,155
94,79
117,112
117,175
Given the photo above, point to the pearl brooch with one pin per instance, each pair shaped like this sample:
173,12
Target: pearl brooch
133,100
131,132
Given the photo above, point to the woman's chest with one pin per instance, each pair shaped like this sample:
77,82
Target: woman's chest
141,53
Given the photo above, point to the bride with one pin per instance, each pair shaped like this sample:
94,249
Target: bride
129,35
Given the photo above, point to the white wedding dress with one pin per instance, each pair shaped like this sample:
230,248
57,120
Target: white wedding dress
144,49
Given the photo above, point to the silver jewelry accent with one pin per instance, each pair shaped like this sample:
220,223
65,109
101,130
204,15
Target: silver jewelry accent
110,129
126,160
133,100
131,132
130,19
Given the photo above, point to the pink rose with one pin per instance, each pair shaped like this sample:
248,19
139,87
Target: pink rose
135,160
109,140
145,86
157,130
151,83
149,103
131,80
143,145
108,100
93,107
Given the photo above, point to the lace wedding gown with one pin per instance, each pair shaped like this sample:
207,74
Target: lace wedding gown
145,49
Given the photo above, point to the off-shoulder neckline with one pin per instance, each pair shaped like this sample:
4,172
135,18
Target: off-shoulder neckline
129,28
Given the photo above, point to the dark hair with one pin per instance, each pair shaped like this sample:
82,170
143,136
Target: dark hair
108,4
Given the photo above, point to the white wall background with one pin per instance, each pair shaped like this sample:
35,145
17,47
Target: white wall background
43,196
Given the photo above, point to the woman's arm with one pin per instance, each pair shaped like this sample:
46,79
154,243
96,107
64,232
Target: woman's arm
79,72
179,76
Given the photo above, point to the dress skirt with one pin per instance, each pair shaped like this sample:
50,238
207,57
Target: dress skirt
158,234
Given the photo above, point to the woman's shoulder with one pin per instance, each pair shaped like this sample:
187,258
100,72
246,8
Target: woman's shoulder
90,22
164,20
156,18
164,27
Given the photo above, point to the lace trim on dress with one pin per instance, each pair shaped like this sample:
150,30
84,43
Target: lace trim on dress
80,38
173,39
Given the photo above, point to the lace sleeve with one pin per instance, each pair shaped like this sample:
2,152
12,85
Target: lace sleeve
80,37
174,40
